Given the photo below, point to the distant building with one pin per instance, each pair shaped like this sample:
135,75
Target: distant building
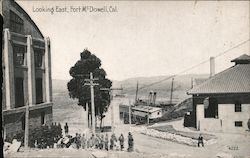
222,102
139,113
145,111
26,66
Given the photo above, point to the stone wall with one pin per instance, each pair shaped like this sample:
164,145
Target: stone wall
13,122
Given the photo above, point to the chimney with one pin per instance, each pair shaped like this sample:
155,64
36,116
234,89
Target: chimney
150,97
212,66
154,98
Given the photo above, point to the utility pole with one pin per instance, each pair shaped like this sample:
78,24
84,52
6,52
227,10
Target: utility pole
87,110
26,131
129,113
192,82
136,93
154,98
148,116
111,105
172,88
92,84
149,102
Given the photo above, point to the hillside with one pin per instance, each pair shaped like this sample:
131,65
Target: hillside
59,86
181,85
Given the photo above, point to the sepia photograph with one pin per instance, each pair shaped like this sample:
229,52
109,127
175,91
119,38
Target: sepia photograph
125,78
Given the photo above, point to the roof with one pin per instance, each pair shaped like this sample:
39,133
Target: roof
235,79
146,108
28,17
198,81
243,59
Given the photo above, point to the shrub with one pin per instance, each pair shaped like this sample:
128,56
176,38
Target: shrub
44,135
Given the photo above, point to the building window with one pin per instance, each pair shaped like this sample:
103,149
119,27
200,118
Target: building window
23,123
211,108
16,23
39,90
238,123
237,107
42,118
38,58
19,92
19,54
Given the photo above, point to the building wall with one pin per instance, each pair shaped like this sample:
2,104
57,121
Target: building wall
139,113
210,124
206,124
13,121
221,99
228,116
32,40
156,114
153,115
35,116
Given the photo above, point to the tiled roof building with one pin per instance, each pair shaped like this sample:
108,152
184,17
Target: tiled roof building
233,80
222,102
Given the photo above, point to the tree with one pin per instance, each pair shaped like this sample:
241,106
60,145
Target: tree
79,72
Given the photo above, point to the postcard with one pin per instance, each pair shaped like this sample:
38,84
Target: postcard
108,79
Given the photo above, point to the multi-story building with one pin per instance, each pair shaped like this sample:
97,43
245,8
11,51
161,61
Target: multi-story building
26,65
222,102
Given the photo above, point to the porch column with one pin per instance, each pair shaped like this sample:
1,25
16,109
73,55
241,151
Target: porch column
48,79
8,71
199,115
31,72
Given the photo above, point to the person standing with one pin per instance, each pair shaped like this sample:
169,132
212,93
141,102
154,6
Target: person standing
97,141
66,129
121,139
83,141
92,141
101,145
130,142
111,142
78,141
200,141
106,142
88,142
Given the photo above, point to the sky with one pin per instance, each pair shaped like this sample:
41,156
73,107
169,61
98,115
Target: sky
144,38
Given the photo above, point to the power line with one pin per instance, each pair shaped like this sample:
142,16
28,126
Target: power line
190,68
236,46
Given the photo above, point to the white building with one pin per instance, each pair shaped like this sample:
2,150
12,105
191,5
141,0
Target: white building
144,111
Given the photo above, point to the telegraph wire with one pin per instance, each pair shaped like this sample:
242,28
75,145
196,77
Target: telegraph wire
236,46
192,67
